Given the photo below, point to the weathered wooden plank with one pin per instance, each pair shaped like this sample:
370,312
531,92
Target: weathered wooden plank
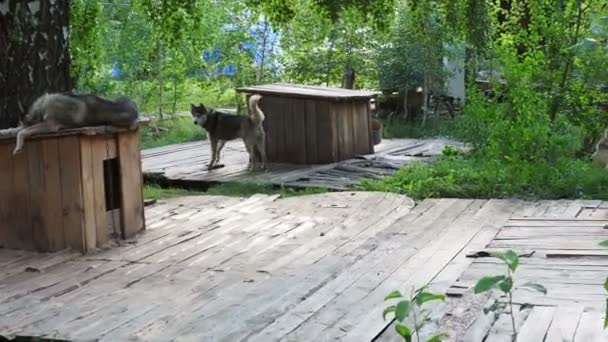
311,117
21,218
53,207
99,153
8,233
556,223
298,91
35,180
537,324
590,328
565,321
298,130
343,130
133,219
499,210
556,242
88,193
280,275
440,252
366,288
71,192
502,330
188,165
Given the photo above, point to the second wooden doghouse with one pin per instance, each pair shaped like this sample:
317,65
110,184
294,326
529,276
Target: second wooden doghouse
74,189
314,125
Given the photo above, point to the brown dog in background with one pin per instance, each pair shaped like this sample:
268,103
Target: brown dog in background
222,126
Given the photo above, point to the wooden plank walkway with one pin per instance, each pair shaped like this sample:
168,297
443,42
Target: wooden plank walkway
186,164
313,268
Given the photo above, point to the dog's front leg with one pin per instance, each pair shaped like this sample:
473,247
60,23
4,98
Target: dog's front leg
29,131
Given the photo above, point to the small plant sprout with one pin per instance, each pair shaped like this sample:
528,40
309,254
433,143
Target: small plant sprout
504,283
410,313
605,244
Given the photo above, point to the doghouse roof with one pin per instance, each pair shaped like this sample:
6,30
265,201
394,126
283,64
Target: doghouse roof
306,91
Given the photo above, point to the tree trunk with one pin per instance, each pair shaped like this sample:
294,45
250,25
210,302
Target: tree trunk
160,81
425,94
348,79
34,54
405,102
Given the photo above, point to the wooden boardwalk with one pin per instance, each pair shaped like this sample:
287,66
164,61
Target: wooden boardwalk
185,164
314,268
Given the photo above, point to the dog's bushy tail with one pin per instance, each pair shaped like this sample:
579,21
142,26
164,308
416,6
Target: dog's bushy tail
254,109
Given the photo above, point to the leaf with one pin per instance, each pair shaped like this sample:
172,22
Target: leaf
404,332
606,284
402,310
388,310
424,297
604,243
487,283
537,287
421,289
506,285
510,258
393,295
437,338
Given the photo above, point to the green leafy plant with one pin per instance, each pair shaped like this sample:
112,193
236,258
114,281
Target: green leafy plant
410,313
605,244
505,284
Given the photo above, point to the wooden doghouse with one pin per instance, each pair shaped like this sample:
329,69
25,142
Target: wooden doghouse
72,189
314,125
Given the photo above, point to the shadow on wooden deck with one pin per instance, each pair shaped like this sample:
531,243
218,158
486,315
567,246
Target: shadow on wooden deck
184,165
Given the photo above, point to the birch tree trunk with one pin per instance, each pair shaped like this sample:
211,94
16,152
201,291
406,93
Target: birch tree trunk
34,54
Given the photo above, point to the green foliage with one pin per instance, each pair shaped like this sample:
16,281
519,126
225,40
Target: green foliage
465,176
320,49
85,37
414,50
510,258
283,12
158,46
487,283
605,244
504,283
411,314
535,287
154,191
175,131
520,146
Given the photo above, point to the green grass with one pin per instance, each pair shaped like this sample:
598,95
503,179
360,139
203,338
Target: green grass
249,189
172,131
153,191
435,127
463,176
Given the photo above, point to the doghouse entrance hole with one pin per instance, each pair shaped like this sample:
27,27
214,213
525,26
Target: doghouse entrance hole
111,179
